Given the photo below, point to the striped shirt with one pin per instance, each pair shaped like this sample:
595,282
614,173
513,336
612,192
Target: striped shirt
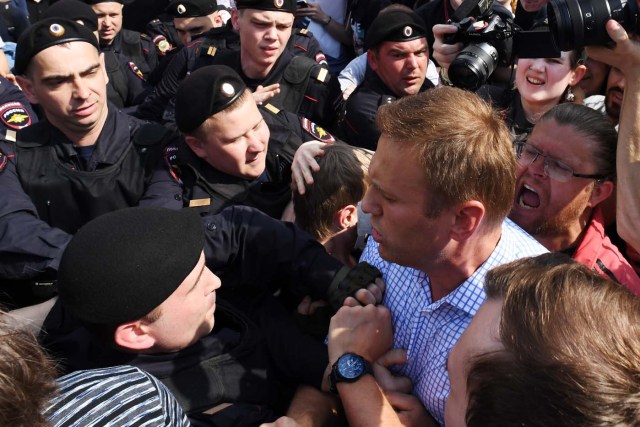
118,396
429,330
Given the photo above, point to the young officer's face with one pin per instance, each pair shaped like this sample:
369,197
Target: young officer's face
236,142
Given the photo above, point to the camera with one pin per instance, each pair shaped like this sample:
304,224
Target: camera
578,23
491,40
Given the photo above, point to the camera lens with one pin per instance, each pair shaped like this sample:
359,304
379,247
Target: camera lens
578,23
473,66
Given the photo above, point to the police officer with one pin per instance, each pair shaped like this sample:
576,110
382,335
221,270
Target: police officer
201,29
136,53
306,87
85,159
398,57
235,153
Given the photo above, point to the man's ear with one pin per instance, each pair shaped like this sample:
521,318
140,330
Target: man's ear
372,59
235,16
27,88
346,217
196,146
468,216
134,335
600,193
217,21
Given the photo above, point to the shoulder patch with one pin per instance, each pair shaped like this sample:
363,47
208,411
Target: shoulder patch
321,59
316,131
15,115
162,44
136,70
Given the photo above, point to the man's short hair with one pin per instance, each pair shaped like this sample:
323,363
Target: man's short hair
341,181
571,348
26,377
463,146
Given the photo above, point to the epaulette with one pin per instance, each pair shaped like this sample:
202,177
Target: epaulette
271,108
320,74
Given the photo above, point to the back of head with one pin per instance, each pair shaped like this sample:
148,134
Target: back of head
571,348
341,181
27,377
462,144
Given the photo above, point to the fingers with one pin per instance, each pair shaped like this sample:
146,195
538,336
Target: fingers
350,302
396,356
365,297
305,305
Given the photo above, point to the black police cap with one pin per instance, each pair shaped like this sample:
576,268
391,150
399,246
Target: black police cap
46,33
103,1
276,5
74,10
122,265
204,93
191,8
394,26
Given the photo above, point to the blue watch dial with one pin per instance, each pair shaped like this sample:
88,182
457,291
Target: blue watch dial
350,366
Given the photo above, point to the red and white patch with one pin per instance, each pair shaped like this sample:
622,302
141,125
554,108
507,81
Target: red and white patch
321,59
15,115
316,131
162,44
136,70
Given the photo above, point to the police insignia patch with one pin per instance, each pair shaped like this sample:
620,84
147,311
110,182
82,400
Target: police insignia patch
162,44
14,115
408,31
316,131
321,59
278,3
136,70
181,9
56,30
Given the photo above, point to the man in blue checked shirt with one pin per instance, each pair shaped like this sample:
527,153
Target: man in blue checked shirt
441,184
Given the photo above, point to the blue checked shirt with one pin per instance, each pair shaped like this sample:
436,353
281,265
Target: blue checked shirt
429,330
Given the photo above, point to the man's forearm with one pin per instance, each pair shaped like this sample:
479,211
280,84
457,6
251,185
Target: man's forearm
365,405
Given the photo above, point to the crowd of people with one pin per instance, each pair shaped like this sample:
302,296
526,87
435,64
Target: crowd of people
283,213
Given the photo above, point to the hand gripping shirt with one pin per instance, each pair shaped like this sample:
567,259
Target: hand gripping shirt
429,330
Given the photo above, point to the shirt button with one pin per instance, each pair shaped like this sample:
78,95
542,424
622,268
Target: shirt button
211,227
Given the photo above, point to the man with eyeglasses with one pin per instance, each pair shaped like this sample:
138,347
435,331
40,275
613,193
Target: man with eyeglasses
565,170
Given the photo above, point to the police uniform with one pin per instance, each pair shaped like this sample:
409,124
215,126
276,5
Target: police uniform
246,355
50,188
210,190
15,110
358,124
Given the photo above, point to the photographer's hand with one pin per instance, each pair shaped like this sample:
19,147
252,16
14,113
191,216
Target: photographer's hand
442,52
625,55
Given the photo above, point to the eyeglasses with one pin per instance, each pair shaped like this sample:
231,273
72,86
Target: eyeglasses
526,154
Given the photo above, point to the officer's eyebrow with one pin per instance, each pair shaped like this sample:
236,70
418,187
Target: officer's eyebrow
64,77
198,279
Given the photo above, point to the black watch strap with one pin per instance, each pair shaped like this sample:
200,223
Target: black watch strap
336,376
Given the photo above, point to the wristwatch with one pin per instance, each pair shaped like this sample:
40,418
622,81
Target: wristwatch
349,368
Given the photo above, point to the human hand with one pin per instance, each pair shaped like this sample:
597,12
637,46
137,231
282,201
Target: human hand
372,294
442,52
314,12
387,381
263,94
304,163
410,410
282,422
366,331
307,306
625,55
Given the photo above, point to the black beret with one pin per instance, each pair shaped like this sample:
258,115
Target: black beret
207,91
191,8
277,5
394,26
74,10
122,265
46,33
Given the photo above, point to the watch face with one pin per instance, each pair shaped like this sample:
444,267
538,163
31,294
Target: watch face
350,366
